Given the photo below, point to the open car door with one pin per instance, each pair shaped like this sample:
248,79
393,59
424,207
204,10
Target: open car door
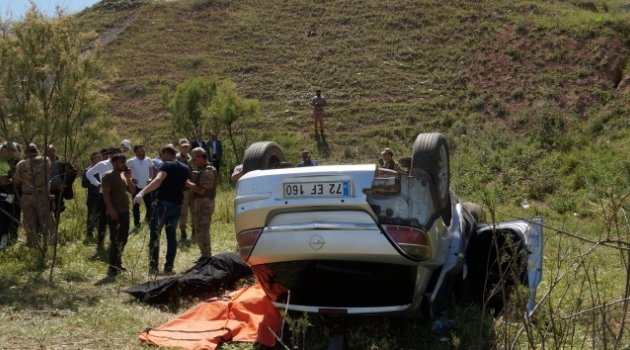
513,251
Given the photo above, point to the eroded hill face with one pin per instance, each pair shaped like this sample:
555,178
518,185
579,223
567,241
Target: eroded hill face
388,69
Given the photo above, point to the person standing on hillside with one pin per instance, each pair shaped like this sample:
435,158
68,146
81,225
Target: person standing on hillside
170,182
116,183
142,171
318,102
203,187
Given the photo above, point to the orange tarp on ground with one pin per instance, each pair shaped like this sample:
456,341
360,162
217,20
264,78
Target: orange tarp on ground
244,315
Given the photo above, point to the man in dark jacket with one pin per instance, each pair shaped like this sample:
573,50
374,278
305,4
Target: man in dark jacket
9,196
214,144
94,201
62,175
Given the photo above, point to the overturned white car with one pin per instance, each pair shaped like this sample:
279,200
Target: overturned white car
362,239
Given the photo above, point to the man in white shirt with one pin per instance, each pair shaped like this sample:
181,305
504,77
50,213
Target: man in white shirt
94,176
142,171
100,169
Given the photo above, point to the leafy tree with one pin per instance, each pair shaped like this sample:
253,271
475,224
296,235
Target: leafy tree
200,105
48,87
188,103
227,109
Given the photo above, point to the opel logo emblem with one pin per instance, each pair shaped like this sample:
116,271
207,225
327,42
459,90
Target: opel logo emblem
316,242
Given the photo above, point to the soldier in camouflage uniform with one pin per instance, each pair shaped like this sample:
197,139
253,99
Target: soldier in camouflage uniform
203,188
32,174
184,157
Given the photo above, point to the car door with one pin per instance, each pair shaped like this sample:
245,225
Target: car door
530,232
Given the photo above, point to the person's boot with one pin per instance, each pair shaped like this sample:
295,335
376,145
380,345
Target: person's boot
101,253
89,238
184,236
112,271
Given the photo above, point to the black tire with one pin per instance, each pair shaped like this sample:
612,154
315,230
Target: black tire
475,211
430,154
263,155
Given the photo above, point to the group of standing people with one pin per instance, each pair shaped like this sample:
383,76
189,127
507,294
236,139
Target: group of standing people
34,186
168,185
33,189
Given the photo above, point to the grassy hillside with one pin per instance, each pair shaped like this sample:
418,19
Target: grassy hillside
532,95
408,66
539,82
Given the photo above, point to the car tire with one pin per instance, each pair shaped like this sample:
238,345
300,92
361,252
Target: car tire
430,154
475,211
263,155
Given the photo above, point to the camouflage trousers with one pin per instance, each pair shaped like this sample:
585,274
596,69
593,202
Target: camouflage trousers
187,205
202,215
37,219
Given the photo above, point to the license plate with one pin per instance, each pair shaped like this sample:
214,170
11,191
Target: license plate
317,189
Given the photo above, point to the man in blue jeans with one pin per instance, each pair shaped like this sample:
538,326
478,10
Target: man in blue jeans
169,183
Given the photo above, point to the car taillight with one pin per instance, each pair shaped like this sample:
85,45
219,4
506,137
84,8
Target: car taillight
413,241
246,240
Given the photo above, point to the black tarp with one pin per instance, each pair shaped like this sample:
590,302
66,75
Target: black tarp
205,278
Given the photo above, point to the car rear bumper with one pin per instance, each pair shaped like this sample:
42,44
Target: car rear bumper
338,286
326,235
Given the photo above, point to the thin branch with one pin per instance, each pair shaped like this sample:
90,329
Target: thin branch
609,243
595,308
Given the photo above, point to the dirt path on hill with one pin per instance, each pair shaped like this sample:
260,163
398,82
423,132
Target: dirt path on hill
111,34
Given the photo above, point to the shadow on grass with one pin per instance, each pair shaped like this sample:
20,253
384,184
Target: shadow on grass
322,146
35,292
106,280
24,284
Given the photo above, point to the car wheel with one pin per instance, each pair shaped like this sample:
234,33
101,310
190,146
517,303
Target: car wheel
263,155
475,211
430,153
